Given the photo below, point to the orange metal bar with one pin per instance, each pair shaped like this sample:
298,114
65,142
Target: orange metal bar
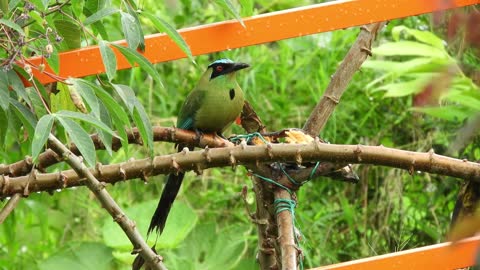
440,256
259,29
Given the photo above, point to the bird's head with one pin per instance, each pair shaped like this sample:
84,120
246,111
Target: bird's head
222,67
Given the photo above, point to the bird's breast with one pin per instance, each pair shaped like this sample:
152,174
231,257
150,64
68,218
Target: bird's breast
220,110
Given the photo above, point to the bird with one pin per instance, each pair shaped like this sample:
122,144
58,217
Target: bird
215,102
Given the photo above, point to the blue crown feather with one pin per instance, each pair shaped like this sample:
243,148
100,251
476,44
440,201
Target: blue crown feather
221,61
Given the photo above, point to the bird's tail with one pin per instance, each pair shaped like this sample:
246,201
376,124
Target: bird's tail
159,218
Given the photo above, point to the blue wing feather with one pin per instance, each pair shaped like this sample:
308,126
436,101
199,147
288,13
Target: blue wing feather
186,116
187,124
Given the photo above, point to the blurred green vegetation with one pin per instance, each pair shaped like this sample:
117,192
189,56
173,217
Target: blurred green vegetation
389,210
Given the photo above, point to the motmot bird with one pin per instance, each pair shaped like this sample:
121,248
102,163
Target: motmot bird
215,102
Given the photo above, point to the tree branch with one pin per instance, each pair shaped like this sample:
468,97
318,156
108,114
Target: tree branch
9,206
286,236
171,134
245,155
267,235
355,57
127,225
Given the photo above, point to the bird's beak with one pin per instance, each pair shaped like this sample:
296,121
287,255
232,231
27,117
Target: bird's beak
238,66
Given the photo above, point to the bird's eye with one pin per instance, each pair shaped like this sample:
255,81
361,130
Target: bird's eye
219,68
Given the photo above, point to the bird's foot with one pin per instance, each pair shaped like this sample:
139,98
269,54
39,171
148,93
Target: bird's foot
198,136
219,134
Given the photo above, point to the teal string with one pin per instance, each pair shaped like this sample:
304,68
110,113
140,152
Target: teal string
285,205
249,137
266,179
314,170
293,181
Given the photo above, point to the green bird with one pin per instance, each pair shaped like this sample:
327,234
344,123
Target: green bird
215,102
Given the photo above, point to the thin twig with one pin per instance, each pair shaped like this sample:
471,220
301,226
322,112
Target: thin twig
127,225
9,206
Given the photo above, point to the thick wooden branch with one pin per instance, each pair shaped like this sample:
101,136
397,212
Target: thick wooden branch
127,225
355,57
267,235
286,237
165,134
244,155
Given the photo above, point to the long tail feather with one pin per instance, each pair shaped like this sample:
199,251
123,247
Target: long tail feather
169,194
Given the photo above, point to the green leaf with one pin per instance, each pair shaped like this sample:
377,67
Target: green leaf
4,92
126,94
381,65
62,100
181,221
163,26
83,255
423,36
40,86
54,60
131,8
80,138
91,7
453,113
469,99
3,131
228,6
69,30
100,14
409,48
17,85
37,17
12,4
144,126
42,130
85,118
109,59
105,137
87,93
13,26
130,30
111,104
36,102
4,6
40,4
404,88
77,7
417,64
247,7
135,57
25,115
209,247
118,114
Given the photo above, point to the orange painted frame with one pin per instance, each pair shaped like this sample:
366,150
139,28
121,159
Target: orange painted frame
282,25
440,256
259,29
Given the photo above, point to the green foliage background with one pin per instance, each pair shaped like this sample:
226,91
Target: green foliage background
389,210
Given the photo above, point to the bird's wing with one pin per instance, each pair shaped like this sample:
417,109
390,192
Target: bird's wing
192,104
